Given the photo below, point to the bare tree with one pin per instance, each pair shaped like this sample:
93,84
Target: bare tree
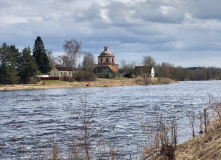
62,60
123,64
165,70
88,61
72,50
127,67
51,58
149,61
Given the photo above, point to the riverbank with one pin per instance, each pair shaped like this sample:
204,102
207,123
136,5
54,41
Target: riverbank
100,82
203,147
205,144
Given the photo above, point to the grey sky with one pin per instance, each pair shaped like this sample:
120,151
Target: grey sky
181,32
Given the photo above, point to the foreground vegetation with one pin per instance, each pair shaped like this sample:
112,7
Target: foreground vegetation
162,141
206,145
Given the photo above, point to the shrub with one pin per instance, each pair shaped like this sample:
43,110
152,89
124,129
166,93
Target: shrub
83,75
34,80
162,141
69,79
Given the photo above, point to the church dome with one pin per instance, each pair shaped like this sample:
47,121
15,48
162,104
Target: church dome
106,53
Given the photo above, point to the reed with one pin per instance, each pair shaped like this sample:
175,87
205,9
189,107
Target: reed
206,145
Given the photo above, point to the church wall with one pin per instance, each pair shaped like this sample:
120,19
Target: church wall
114,68
106,60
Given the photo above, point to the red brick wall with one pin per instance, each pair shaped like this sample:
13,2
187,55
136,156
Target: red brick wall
114,68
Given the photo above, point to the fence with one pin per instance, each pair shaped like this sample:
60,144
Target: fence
52,78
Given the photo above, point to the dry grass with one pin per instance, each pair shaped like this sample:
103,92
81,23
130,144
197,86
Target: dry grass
162,142
206,146
100,82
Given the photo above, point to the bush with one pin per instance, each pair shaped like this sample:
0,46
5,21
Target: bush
69,79
83,75
34,80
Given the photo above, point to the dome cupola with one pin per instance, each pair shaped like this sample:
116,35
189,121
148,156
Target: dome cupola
106,57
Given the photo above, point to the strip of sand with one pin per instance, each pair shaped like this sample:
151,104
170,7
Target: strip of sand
100,82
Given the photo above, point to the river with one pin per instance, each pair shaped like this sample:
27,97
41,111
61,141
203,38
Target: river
31,119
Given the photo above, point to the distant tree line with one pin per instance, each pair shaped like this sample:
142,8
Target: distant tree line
23,67
188,74
167,70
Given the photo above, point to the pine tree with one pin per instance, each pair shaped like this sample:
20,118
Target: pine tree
27,65
8,71
41,58
3,72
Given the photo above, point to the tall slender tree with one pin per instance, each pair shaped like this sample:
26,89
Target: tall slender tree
8,71
41,58
27,66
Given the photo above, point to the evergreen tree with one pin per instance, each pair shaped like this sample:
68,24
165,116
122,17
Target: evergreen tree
41,58
27,65
3,72
8,72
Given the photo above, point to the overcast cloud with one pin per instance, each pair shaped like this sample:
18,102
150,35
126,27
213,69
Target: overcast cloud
181,32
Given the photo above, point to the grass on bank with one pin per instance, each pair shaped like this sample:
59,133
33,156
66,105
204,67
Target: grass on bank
206,146
53,82
118,78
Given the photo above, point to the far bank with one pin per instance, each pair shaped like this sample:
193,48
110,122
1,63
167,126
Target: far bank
99,82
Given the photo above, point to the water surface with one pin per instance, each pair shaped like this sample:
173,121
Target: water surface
31,119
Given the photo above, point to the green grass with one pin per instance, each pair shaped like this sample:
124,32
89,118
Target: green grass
53,81
119,78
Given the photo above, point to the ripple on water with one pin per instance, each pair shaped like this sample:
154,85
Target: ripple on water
31,120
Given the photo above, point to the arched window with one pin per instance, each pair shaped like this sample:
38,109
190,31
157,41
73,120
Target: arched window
101,60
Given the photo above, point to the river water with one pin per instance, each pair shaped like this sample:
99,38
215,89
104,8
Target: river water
31,119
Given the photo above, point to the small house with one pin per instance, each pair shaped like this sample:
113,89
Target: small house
61,71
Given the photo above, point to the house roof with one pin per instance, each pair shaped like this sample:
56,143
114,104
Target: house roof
99,69
62,68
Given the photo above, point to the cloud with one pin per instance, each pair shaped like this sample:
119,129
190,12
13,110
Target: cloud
167,30
205,9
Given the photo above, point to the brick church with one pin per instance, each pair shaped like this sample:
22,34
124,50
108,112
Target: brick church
106,66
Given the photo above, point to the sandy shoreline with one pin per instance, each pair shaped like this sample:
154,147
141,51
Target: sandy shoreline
100,82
